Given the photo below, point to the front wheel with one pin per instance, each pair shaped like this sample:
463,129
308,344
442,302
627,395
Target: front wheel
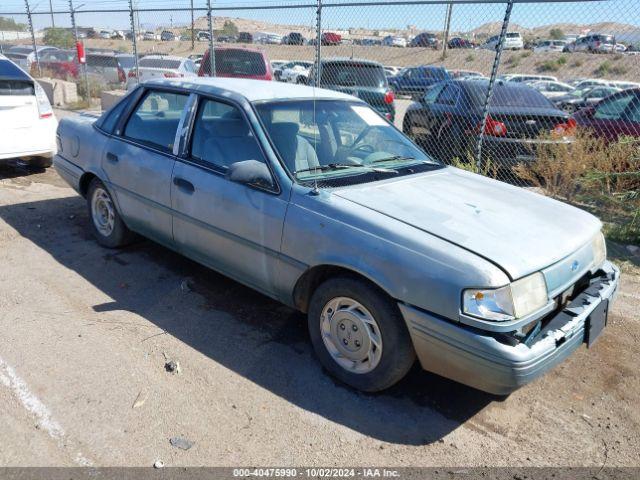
107,225
359,334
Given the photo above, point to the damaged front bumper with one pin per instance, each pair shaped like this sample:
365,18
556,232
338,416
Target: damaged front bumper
479,359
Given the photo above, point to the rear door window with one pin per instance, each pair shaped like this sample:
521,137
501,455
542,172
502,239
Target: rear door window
155,120
221,136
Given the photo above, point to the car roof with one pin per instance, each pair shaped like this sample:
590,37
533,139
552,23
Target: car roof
361,61
252,90
163,57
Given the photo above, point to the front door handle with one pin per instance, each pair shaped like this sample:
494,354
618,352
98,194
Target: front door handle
112,157
183,184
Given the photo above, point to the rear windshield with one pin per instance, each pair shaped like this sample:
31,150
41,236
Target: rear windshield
509,96
126,62
159,63
513,35
238,62
10,71
353,74
16,87
101,61
17,56
21,50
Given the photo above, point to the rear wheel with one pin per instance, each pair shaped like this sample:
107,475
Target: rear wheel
107,225
359,335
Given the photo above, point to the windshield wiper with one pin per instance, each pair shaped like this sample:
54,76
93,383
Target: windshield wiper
396,158
342,166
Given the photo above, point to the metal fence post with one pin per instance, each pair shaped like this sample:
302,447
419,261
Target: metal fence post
318,44
492,80
134,40
212,55
447,26
33,36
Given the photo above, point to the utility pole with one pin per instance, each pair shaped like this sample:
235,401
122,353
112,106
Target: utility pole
447,26
53,22
33,36
193,33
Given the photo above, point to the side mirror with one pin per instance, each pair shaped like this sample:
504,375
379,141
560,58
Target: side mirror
250,172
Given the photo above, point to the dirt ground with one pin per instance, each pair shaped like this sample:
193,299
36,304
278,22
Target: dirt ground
86,334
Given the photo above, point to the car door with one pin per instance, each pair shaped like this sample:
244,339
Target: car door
232,227
138,162
610,118
422,119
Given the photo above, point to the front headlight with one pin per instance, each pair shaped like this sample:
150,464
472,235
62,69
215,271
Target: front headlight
599,247
512,301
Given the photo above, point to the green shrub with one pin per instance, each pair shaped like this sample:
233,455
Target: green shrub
605,177
603,69
59,37
470,58
548,66
561,60
577,63
526,53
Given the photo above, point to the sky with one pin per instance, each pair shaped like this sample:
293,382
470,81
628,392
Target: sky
424,17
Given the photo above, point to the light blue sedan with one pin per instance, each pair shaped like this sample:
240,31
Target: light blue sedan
314,199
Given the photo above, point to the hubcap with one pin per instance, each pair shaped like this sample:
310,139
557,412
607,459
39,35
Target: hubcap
351,335
102,212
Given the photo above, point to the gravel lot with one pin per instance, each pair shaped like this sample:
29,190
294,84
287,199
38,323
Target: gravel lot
87,333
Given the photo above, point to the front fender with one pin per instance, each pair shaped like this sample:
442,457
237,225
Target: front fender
412,266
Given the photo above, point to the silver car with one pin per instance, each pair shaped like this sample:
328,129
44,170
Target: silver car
314,199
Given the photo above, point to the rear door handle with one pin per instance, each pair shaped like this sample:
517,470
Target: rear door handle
112,157
184,185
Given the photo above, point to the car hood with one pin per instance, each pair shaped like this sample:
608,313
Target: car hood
516,229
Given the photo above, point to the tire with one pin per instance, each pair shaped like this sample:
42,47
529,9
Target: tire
108,228
39,162
331,325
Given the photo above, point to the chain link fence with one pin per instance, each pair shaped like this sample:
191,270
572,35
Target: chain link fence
503,88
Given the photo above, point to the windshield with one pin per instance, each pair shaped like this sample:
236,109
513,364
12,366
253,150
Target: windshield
349,74
325,139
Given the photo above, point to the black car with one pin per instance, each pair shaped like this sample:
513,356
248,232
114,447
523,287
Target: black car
448,119
245,37
294,38
364,79
425,39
